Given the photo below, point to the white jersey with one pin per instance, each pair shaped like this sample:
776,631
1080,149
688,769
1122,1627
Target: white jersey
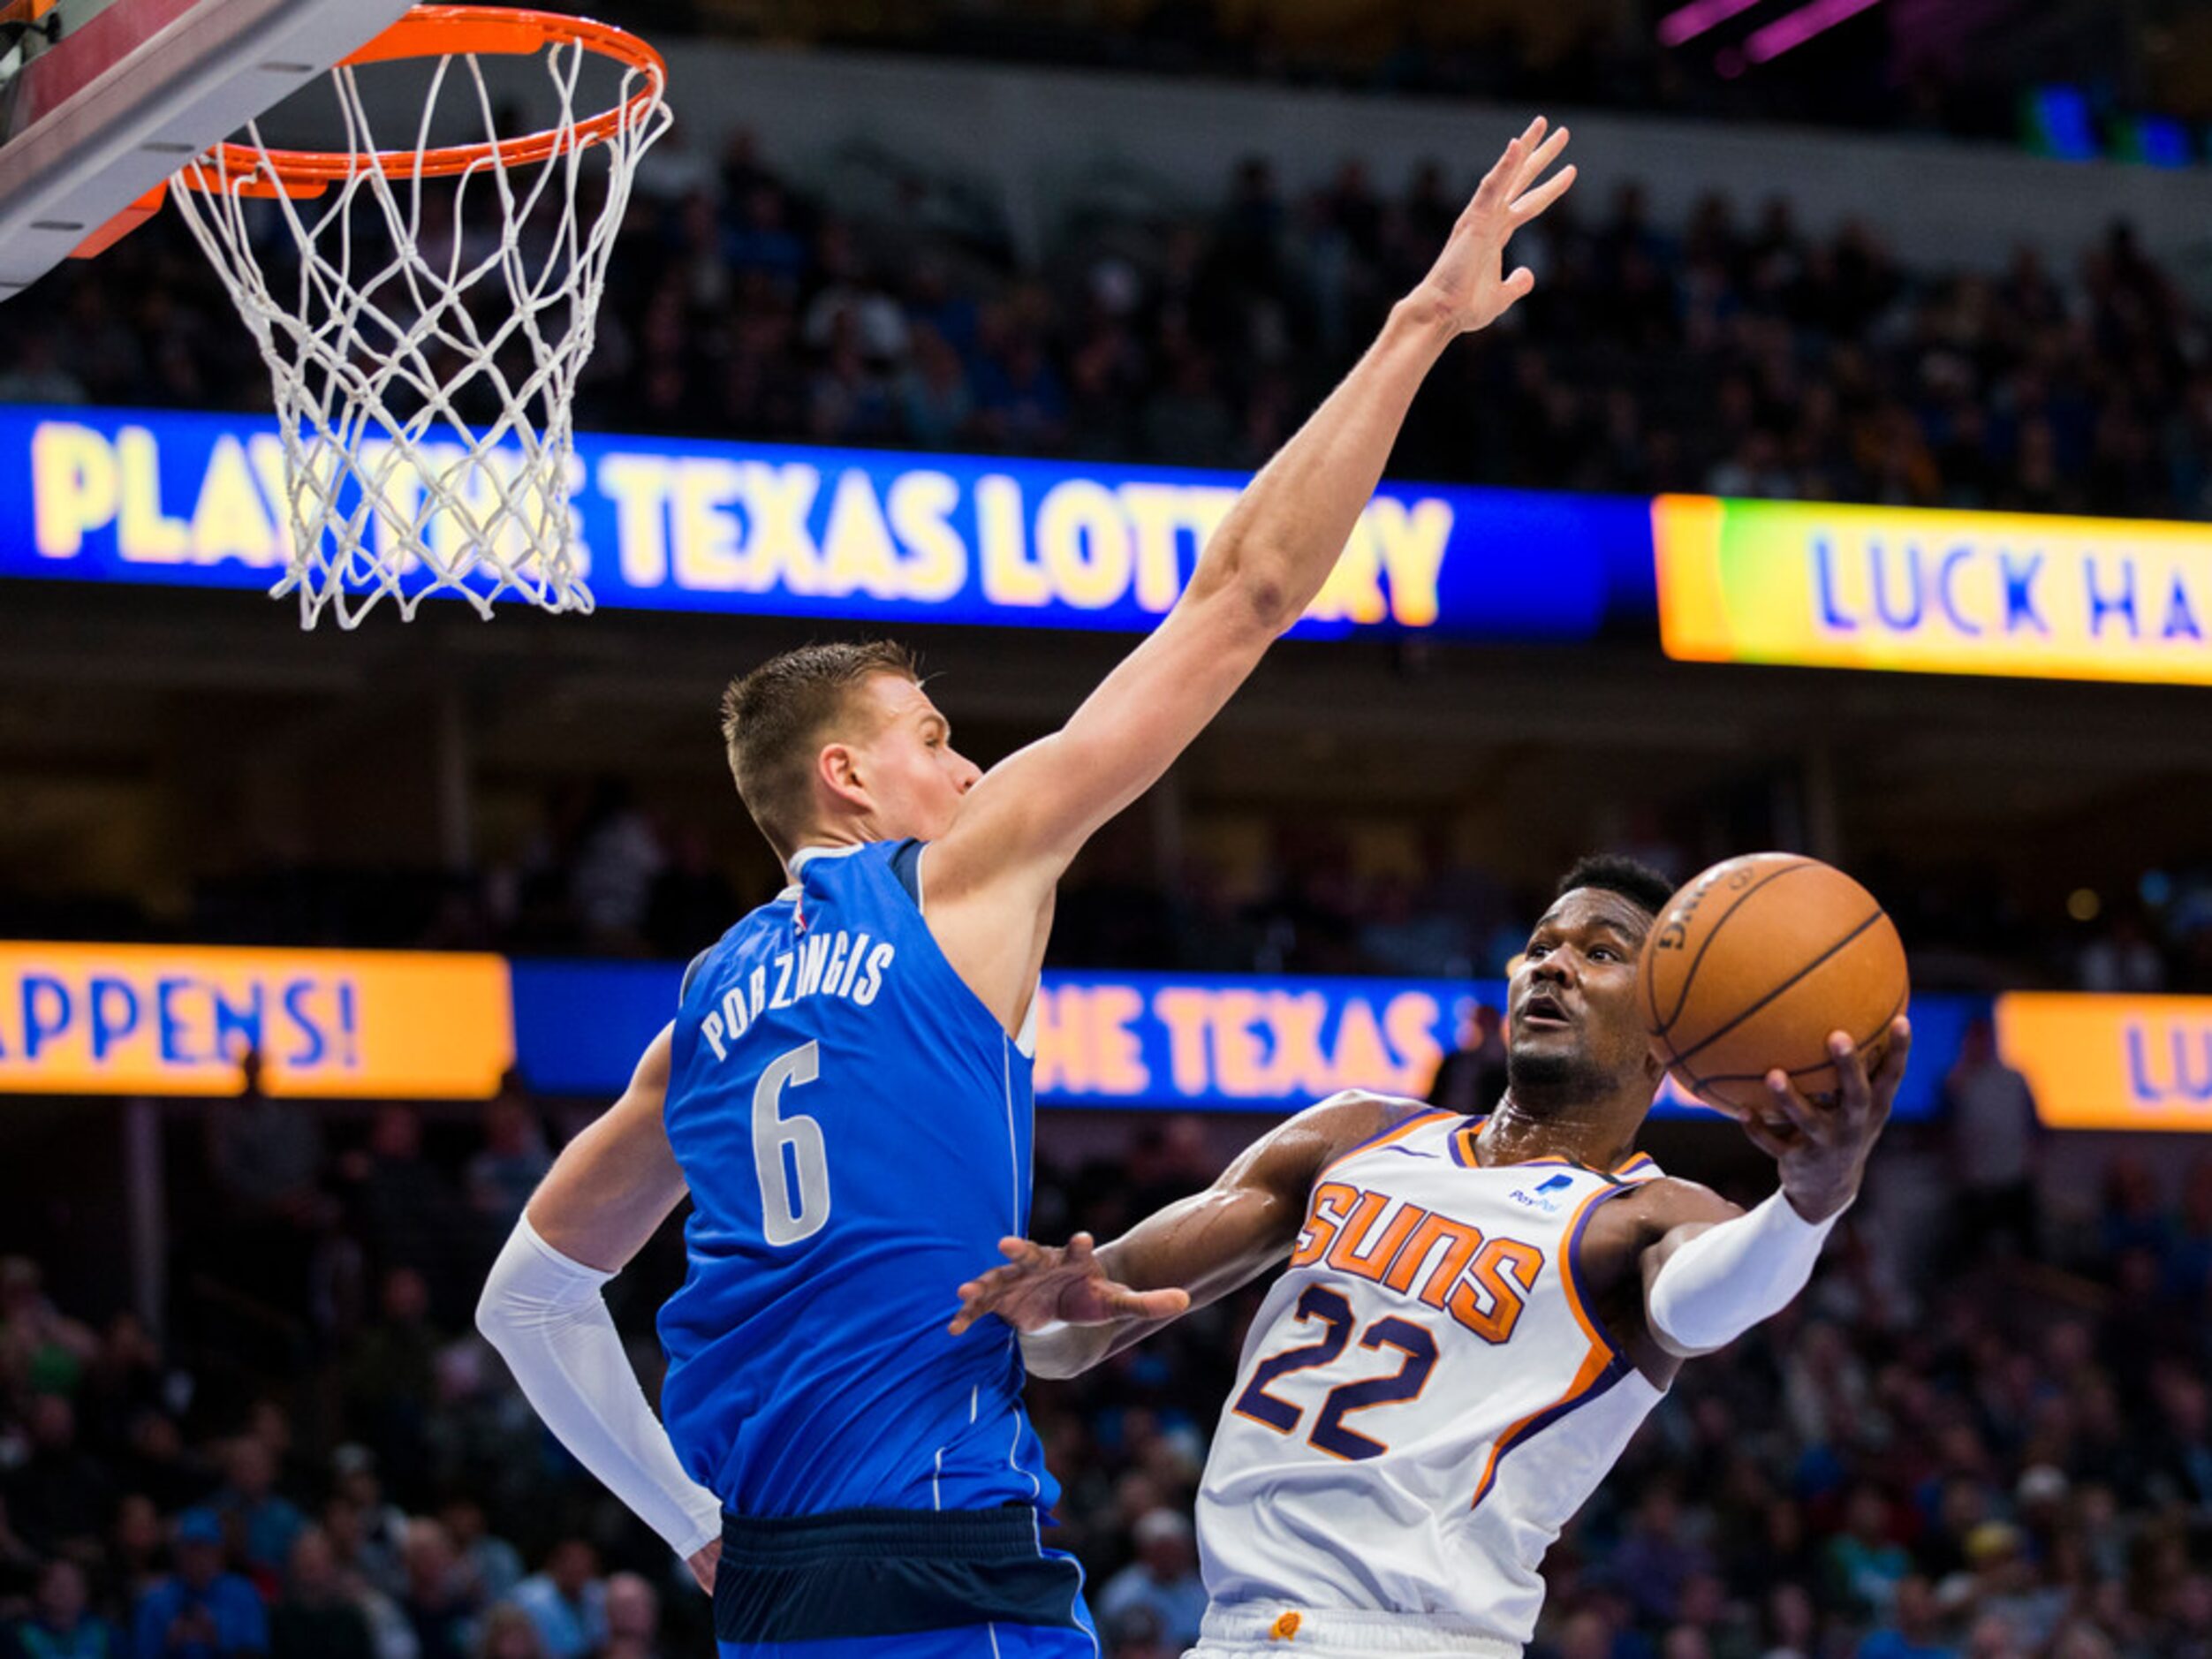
1426,1396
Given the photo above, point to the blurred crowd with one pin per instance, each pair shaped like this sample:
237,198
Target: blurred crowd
1985,1431
603,869
1735,352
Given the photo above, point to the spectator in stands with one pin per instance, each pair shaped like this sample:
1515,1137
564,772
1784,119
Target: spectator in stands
1912,1631
1657,1556
392,1380
567,1599
435,1599
158,1463
508,1632
513,1160
136,1554
266,1523
407,1209
1865,1565
60,1495
60,1625
617,857
633,1620
493,1565
317,1617
43,1347
1162,1580
2123,957
200,1611
1994,1142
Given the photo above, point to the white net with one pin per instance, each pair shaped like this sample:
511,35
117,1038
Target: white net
426,334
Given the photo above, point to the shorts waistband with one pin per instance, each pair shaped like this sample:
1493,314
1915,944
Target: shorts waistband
1321,1630
801,1540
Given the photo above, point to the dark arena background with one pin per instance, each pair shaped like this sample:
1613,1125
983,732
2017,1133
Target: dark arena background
1841,489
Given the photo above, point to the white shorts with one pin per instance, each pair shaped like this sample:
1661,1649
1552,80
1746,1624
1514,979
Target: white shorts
1284,1632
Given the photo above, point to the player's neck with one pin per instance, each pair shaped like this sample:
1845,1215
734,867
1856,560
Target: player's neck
844,838
1593,1132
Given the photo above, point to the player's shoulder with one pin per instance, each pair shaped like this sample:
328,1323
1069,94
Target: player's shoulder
1671,1200
1353,1120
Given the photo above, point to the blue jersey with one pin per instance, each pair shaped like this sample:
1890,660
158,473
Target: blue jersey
855,1127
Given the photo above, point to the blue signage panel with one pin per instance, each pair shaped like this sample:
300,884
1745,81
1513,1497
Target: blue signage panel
1203,1042
678,524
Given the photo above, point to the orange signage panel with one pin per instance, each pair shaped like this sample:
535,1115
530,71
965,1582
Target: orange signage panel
2104,1062
160,1019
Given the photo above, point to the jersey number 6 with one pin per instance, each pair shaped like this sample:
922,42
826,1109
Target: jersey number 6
781,1221
1331,1434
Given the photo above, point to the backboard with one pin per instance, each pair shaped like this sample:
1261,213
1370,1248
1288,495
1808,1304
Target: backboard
101,101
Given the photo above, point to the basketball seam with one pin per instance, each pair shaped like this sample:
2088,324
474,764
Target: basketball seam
1711,1037
1682,992
1697,1082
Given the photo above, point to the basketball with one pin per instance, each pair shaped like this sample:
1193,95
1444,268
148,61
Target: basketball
1754,963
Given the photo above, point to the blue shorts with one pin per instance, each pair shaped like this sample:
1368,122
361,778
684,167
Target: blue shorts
898,1584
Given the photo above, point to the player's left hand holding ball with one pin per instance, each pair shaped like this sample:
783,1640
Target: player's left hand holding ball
1821,1149
1039,1286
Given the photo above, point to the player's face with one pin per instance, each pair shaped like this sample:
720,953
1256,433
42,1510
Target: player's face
1571,1017
914,776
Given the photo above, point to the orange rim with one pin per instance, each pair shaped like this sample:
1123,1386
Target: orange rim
441,31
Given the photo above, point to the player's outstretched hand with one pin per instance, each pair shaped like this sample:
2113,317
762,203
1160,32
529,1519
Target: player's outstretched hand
1040,1284
1822,1149
1468,280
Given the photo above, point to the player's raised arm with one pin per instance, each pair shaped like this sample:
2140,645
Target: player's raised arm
1707,1281
542,1308
1077,1306
1024,822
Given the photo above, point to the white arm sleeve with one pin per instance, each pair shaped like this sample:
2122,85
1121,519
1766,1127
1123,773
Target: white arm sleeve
1731,1276
544,1314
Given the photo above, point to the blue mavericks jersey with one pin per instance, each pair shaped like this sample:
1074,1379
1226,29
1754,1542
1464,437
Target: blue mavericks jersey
855,1127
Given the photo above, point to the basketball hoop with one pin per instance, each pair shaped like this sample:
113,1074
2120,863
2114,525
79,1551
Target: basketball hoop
425,370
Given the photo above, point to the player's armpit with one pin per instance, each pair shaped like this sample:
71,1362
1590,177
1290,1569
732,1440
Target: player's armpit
616,1183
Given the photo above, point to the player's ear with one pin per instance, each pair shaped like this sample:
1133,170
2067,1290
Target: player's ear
1655,1064
837,769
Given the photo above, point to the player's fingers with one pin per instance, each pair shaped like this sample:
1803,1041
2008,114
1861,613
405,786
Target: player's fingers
1756,1131
1890,1072
1532,203
1167,1304
1792,1107
1518,287
1079,1250
1539,160
1501,176
1853,1097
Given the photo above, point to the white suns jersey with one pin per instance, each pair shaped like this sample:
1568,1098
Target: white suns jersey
1426,1396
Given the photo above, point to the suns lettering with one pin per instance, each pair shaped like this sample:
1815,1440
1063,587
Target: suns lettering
1364,1250
1484,1285
1324,1217
834,965
1458,1242
1488,1300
